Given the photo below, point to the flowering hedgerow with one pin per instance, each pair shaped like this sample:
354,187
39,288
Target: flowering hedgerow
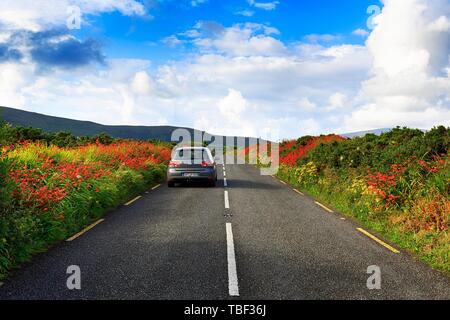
55,172
47,185
297,151
388,186
290,151
397,183
48,192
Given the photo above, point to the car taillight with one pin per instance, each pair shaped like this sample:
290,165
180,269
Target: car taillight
174,164
206,164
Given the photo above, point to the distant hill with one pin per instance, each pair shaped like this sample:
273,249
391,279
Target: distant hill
363,133
47,123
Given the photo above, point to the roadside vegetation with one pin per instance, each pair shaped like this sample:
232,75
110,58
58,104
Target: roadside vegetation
396,184
52,185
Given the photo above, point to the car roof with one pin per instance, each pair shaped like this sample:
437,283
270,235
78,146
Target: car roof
192,148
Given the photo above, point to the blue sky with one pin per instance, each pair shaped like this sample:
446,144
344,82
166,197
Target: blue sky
141,37
242,67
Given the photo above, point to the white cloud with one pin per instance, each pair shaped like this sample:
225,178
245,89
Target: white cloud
40,15
441,24
241,40
314,38
232,116
142,83
232,105
361,32
373,116
223,94
13,77
268,6
246,13
269,84
410,83
306,105
243,79
109,96
336,101
192,33
172,41
196,3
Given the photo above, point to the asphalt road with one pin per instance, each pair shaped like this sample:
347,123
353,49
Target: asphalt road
184,243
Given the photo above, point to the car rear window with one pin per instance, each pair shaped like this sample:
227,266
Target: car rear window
194,155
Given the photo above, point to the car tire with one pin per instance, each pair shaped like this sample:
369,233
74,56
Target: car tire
212,183
171,184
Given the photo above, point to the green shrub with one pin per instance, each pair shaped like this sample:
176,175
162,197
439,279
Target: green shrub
412,209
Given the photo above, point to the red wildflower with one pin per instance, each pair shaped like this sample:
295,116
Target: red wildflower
301,151
48,184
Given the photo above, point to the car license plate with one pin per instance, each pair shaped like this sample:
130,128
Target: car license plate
190,175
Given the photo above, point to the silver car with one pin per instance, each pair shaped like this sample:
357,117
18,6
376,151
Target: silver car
191,164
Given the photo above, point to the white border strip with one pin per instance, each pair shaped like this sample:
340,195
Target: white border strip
132,201
75,236
323,207
156,187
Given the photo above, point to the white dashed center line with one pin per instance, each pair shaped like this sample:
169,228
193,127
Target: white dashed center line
225,183
227,201
233,288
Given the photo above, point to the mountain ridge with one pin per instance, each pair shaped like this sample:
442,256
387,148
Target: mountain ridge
48,123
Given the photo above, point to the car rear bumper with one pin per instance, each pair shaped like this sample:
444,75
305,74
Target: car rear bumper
179,175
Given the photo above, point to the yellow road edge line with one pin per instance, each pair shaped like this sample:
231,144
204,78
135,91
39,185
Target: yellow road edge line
384,244
299,192
156,187
321,205
84,230
130,202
